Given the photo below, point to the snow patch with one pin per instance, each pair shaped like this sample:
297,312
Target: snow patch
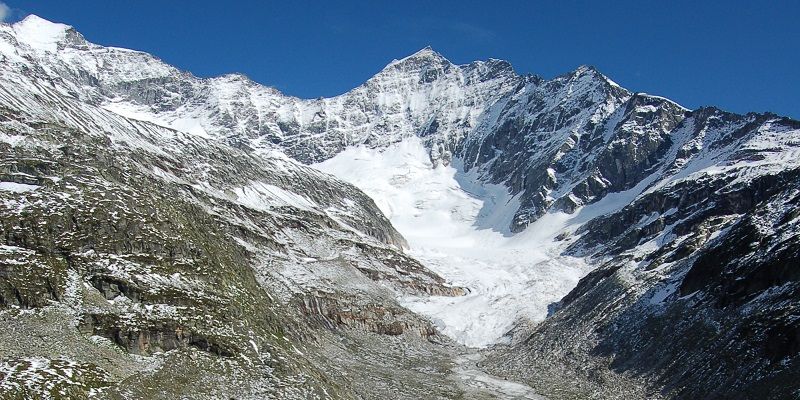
17,187
262,196
661,294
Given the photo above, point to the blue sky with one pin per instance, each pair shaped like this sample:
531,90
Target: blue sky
738,55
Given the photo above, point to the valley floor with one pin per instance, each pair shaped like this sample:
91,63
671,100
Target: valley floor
477,380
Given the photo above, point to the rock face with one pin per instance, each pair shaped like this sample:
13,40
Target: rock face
696,290
160,222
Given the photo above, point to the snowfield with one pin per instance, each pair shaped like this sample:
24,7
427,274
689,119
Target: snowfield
458,228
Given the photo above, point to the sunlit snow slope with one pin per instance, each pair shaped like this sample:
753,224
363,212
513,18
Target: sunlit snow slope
457,227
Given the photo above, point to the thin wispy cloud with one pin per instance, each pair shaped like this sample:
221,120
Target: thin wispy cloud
470,30
5,11
434,25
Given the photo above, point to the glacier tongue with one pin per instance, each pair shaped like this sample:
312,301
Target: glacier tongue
458,228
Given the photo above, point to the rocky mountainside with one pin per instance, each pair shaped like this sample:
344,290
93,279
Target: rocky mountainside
696,284
141,262
168,219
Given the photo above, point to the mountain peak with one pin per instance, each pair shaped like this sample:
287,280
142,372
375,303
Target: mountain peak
587,69
589,73
33,18
33,21
426,54
40,33
423,62
425,51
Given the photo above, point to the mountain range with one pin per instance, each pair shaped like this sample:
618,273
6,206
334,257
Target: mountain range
442,231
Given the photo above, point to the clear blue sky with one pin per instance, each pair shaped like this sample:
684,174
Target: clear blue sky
738,55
